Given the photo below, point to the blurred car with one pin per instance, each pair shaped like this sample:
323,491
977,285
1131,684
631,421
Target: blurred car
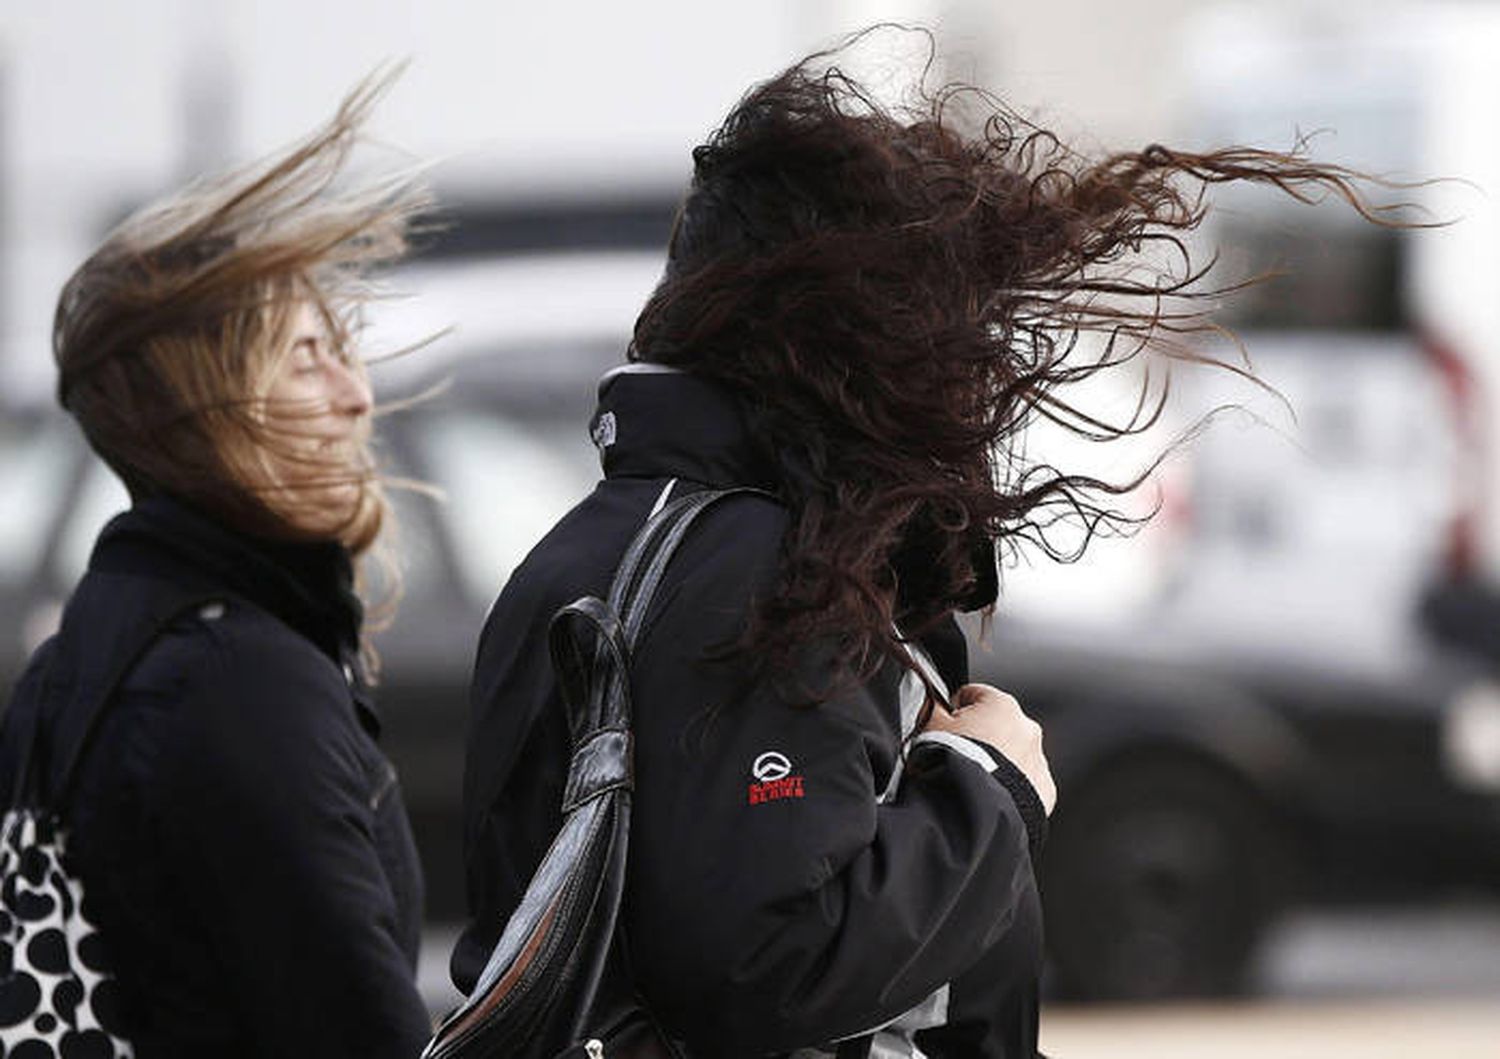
1208,778
1205,789
1299,711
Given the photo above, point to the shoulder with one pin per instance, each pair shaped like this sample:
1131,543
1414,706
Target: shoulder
233,681
736,539
727,560
581,552
732,548
262,728
229,648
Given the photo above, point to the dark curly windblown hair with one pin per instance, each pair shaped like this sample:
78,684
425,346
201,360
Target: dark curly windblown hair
895,293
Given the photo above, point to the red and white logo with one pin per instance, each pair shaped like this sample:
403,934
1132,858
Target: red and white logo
774,781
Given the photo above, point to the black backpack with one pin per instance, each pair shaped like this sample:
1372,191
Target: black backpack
557,982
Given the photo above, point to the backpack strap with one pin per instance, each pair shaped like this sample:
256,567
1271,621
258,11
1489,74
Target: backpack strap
74,723
544,975
592,640
26,705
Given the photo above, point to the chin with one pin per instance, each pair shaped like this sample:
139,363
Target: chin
325,512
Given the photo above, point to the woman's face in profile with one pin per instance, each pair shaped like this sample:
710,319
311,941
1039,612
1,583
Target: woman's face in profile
318,405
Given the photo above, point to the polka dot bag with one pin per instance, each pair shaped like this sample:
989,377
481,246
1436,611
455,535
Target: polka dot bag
57,997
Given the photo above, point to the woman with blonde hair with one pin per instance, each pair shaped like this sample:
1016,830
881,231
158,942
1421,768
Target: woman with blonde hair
202,726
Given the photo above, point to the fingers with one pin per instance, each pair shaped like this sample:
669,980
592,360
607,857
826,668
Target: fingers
985,694
992,716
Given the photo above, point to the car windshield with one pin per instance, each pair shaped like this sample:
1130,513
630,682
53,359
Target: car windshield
504,483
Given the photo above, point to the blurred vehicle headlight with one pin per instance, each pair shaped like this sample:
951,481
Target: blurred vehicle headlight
1471,737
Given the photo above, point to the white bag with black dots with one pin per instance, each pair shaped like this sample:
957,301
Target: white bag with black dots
57,997
56,1000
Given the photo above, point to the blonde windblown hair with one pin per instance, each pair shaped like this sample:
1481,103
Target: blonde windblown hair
167,337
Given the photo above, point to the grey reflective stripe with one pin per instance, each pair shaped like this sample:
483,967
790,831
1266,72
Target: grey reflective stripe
912,695
959,745
897,1039
929,669
661,501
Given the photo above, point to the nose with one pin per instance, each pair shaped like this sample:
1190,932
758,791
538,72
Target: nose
351,389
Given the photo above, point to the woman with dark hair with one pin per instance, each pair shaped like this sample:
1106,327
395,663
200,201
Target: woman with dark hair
833,833
238,835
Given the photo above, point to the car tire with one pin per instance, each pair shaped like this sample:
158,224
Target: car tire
1158,881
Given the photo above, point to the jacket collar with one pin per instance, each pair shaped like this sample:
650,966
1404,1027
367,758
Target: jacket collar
308,585
655,421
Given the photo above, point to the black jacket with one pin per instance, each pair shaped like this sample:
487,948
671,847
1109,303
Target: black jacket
241,839
783,891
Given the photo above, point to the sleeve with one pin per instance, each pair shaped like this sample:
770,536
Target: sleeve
775,900
1028,802
272,818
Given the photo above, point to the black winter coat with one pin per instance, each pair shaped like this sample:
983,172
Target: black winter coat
791,882
240,837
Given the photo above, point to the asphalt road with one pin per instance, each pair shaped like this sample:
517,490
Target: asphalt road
1376,984
1283,1029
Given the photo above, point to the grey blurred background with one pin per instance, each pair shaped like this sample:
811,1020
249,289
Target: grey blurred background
1273,711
